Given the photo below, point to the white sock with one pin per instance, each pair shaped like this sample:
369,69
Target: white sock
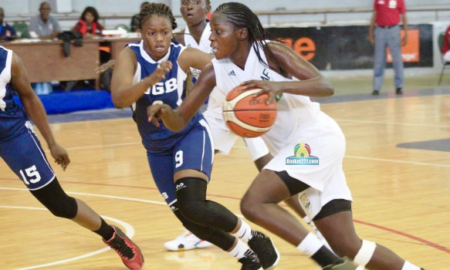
310,245
239,250
244,232
410,266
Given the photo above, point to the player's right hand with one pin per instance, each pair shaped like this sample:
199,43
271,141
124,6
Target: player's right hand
160,72
155,111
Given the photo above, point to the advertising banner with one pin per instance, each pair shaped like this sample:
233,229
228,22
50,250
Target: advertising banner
348,47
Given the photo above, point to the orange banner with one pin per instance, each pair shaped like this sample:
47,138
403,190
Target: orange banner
410,52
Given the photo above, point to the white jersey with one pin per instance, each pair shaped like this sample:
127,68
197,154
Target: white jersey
294,111
305,142
204,45
215,98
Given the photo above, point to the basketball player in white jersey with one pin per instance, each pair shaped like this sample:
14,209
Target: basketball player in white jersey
244,57
196,35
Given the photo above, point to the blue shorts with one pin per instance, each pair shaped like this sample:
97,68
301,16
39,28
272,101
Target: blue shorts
25,157
195,151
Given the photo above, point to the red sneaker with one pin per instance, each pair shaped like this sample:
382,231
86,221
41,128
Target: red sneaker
128,251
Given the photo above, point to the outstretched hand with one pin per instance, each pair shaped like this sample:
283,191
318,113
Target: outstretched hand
60,155
160,72
266,87
105,67
156,110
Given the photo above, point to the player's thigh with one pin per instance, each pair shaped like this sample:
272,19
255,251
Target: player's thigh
195,152
267,187
162,168
25,157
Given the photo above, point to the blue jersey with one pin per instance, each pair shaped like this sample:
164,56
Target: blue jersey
170,90
12,116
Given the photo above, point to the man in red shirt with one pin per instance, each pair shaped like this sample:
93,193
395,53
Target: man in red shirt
386,20
446,45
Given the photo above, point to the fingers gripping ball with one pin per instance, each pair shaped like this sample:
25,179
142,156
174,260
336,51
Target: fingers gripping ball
246,115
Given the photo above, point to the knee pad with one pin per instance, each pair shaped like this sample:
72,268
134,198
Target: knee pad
192,203
56,200
365,253
219,238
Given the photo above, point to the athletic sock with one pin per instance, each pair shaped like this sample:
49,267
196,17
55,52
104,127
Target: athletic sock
105,231
239,250
314,248
410,266
244,232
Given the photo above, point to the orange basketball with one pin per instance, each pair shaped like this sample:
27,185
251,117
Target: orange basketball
246,115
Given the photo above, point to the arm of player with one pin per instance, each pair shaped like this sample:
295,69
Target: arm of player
109,65
311,82
194,58
123,92
35,110
176,120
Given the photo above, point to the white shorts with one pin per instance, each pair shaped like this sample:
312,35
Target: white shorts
224,138
322,170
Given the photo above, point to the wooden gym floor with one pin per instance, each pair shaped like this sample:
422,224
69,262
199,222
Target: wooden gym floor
397,165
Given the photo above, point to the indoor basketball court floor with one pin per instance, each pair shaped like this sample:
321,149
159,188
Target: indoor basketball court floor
397,165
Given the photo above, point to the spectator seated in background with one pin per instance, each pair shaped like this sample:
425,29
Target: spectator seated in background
134,26
44,26
7,32
88,24
446,45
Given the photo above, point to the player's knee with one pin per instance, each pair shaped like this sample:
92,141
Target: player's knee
365,253
191,197
192,210
249,207
56,200
346,246
64,208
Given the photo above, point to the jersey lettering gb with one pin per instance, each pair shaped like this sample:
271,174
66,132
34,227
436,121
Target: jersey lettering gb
170,91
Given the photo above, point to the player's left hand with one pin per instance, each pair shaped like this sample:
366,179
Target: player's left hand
60,155
266,87
155,111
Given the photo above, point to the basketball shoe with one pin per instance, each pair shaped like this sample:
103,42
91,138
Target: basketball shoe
250,261
186,241
128,251
264,248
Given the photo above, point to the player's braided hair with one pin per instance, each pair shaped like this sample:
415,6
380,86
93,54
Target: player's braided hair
159,9
242,17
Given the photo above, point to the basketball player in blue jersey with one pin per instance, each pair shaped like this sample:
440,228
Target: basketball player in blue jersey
241,44
152,72
22,152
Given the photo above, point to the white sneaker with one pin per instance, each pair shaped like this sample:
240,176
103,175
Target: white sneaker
186,241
